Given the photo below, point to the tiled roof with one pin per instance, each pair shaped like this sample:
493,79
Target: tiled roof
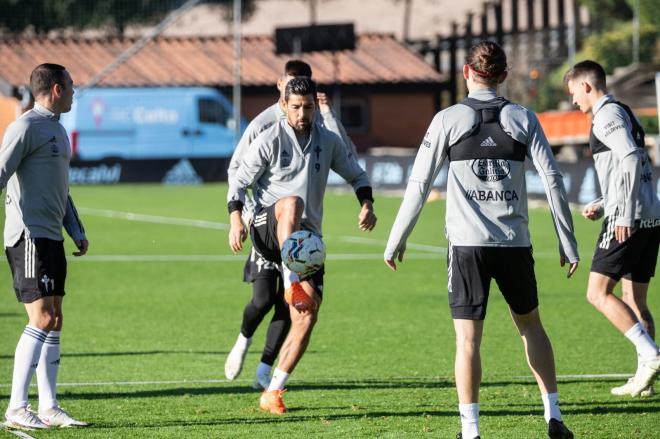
181,61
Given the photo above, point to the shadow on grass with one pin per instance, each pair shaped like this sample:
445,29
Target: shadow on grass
333,385
296,415
134,353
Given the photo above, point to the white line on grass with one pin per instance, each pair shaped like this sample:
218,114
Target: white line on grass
365,380
131,216
230,258
17,432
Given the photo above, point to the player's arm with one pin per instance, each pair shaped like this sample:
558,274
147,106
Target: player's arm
74,227
14,147
250,133
612,127
538,149
252,166
429,160
349,169
333,124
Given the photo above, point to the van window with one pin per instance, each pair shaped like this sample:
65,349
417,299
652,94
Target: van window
211,111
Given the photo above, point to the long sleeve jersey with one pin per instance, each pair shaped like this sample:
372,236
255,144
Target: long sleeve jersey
34,167
266,119
623,167
486,198
276,166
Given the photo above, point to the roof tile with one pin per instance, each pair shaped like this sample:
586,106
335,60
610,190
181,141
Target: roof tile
378,59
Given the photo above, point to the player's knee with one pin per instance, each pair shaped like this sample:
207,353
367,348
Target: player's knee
596,298
306,320
292,206
466,343
45,320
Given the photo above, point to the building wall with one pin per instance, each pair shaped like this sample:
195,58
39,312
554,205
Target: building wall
253,104
400,119
8,111
397,119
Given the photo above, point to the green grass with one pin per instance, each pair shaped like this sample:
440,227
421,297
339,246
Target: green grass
381,359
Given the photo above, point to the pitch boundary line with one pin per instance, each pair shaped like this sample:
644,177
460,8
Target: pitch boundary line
394,379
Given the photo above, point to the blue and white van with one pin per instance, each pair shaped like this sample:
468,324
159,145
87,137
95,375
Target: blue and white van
150,123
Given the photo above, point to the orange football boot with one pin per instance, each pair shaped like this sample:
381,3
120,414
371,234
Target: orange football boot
271,401
296,296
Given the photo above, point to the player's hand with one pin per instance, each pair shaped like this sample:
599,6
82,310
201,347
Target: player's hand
367,218
324,102
237,232
398,255
592,211
621,233
571,269
82,245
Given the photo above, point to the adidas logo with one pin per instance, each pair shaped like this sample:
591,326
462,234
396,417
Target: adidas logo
284,153
182,173
488,142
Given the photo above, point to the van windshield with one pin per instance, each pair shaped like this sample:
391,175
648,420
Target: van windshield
211,111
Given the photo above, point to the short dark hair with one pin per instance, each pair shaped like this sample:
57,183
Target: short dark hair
300,86
296,67
44,76
590,69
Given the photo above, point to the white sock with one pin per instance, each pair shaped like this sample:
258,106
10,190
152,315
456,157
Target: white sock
279,380
26,359
469,420
289,277
264,369
49,365
551,407
646,347
243,342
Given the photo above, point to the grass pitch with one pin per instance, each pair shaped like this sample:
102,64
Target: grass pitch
152,311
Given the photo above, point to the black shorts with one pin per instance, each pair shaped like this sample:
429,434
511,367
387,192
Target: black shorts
257,267
470,270
634,259
263,232
38,266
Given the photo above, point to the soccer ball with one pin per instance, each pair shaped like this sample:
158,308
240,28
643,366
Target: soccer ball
303,252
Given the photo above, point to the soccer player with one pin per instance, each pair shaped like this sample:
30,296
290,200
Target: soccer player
486,139
267,287
34,166
287,168
627,247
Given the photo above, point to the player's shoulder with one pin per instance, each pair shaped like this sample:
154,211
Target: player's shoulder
327,136
610,111
266,118
26,122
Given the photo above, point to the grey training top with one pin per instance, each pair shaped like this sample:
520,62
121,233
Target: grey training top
276,166
265,120
34,166
481,212
624,172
